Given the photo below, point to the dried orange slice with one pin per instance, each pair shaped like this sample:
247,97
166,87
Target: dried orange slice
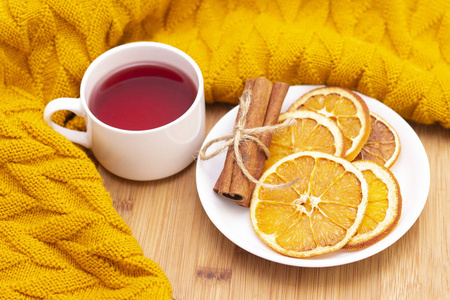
384,206
319,213
345,107
310,132
383,145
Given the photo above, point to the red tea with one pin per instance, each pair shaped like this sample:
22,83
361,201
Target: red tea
142,96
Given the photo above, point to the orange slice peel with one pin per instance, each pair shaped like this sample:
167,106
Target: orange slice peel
383,145
383,208
310,132
348,109
319,214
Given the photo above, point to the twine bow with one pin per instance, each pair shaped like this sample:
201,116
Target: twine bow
241,134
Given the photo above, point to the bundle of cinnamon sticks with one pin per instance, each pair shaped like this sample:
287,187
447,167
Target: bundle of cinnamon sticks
264,109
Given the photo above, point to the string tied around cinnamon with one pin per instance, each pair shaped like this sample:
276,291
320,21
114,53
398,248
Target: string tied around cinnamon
241,134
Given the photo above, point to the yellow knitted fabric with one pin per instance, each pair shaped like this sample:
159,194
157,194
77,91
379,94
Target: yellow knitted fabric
60,237
396,51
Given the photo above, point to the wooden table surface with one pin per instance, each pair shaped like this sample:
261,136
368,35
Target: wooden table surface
170,224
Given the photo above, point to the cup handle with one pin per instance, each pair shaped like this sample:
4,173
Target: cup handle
74,105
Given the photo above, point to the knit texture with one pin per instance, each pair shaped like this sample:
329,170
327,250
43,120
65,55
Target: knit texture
396,51
60,237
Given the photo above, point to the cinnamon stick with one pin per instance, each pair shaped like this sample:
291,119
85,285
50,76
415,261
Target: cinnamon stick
264,109
223,183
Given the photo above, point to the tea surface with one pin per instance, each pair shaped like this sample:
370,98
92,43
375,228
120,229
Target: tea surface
142,96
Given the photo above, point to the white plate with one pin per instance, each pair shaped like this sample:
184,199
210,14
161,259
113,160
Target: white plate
411,170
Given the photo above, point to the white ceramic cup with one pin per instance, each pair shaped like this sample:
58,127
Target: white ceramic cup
145,154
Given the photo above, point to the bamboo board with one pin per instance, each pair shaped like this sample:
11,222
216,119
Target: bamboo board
168,220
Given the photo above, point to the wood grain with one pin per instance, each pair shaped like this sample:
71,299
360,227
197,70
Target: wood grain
169,222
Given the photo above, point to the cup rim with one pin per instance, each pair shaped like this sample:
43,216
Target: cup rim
124,47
